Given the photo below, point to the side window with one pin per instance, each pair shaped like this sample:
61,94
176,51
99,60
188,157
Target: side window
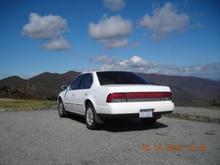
76,83
86,81
89,81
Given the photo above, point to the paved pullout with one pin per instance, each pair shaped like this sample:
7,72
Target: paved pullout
41,137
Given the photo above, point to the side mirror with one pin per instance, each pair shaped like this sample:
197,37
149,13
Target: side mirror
64,87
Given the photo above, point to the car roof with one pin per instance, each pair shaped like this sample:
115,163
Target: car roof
105,71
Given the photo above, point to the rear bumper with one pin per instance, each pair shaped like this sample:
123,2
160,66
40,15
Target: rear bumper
133,108
156,115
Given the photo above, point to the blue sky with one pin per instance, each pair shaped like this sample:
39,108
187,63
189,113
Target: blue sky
168,37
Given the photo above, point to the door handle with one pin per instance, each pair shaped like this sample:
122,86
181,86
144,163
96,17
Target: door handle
86,94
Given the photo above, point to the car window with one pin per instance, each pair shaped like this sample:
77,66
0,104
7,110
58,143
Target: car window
86,81
76,83
112,77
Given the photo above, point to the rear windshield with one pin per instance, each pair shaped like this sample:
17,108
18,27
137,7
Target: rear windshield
108,78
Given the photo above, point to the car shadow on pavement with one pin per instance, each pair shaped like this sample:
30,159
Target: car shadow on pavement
125,125
76,117
121,125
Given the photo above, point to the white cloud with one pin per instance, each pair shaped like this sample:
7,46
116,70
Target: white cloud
50,28
57,44
110,27
164,21
115,43
137,61
44,27
114,5
138,64
134,63
104,60
111,31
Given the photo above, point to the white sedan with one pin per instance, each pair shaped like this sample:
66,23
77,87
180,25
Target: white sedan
103,94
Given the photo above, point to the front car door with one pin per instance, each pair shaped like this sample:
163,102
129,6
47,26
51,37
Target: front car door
82,93
69,97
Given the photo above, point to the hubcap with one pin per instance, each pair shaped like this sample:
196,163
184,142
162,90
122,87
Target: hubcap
89,116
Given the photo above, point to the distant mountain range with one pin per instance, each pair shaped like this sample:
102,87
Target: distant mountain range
187,91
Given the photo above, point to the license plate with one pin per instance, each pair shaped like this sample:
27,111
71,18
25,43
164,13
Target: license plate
146,113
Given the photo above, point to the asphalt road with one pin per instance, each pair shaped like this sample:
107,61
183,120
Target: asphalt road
41,137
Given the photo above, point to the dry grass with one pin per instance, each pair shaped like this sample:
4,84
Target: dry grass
13,104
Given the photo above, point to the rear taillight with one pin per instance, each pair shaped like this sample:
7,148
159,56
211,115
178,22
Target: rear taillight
138,96
116,97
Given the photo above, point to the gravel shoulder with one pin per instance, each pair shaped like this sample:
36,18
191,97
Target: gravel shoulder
41,137
212,113
196,114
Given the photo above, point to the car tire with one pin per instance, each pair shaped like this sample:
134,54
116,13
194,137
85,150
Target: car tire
61,109
150,121
91,117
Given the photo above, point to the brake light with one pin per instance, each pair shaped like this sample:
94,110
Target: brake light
138,96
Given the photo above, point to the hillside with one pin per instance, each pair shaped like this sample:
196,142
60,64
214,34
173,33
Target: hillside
190,91
43,86
187,91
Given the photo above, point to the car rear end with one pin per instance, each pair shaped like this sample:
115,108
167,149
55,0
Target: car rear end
133,98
